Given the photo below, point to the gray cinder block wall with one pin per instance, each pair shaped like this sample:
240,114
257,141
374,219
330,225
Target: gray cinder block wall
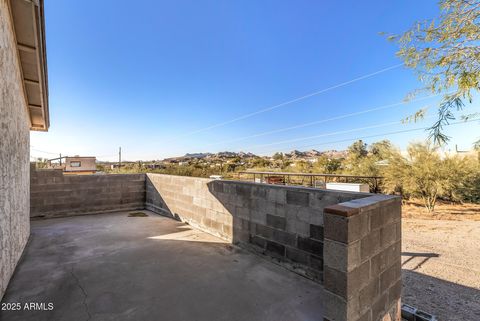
55,194
188,199
14,154
363,260
283,222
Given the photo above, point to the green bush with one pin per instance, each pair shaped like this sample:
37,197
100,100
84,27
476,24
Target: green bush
423,173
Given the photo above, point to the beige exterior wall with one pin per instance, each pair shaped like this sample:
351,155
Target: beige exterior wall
14,154
87,164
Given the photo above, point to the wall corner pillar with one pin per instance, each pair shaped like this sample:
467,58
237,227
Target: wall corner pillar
362,260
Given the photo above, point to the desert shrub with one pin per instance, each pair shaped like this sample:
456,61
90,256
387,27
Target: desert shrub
423,173
327,165
364,160
469,190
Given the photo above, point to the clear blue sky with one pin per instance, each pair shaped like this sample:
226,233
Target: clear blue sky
146,75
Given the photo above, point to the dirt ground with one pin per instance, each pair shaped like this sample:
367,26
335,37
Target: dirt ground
441,261
443,211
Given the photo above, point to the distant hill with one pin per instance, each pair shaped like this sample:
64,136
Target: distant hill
294,155
219,155
298,154
196,155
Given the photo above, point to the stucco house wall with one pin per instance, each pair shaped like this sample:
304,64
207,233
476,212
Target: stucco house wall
86,164
14,154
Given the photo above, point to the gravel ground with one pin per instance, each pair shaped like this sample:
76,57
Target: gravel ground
441,268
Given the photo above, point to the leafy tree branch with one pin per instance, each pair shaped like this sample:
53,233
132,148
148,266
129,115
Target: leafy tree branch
445,54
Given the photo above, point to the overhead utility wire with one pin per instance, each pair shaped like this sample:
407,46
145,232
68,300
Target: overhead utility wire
321,121
333,133
261,111
378,135
336,133
42,151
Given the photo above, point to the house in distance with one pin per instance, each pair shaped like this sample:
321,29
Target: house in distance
80,165
75,165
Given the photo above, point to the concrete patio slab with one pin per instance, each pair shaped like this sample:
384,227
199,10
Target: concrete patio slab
115,267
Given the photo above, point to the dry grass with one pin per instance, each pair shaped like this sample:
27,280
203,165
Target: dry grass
443,211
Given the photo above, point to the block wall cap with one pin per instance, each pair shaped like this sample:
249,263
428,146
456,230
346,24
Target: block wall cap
341,210
359,205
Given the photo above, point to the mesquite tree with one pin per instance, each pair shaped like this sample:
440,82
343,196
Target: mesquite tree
445,53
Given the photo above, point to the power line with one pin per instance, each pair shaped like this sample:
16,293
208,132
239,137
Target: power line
333,133
42,151
261,111
321,121
52,153
378,135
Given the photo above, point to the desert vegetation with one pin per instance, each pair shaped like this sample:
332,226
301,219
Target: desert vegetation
421,174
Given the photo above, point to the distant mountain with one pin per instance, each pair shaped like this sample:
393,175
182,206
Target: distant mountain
308,154
246,155
225,154
313,153
335,153
197,155
294,155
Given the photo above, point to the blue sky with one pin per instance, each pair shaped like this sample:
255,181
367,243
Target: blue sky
149,76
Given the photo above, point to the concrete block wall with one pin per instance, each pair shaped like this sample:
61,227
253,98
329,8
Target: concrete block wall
284,222
362,260
14,154
54,194
188,199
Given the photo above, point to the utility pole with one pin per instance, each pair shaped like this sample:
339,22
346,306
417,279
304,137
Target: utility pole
60,159
119,157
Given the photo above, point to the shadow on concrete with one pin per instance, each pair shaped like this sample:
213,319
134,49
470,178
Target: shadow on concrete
413,255
446,300
187,234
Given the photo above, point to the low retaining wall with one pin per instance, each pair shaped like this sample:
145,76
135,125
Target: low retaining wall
54,194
